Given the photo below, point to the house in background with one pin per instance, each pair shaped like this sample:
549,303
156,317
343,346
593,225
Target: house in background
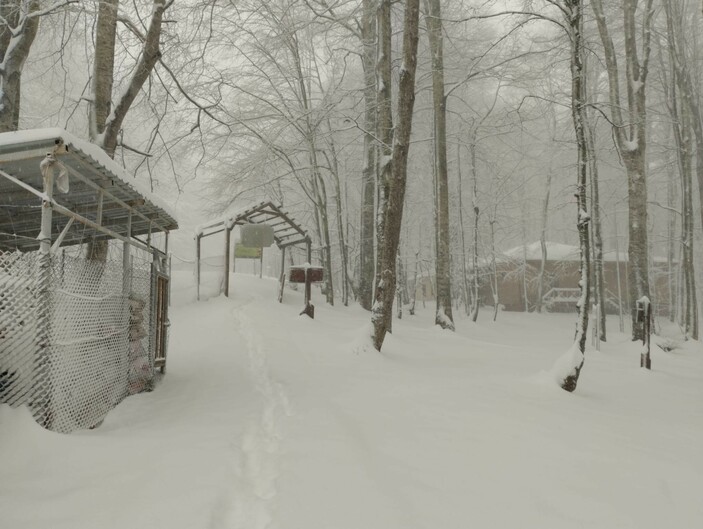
518,277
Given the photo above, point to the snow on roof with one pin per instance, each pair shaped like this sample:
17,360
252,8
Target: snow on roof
90,151
99,189
564,252
555,252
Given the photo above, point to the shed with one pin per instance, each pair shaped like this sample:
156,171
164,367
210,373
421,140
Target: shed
518,272
78,334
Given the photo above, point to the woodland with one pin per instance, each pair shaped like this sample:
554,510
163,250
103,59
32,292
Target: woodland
413,138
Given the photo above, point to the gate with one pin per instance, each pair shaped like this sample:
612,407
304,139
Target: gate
162,323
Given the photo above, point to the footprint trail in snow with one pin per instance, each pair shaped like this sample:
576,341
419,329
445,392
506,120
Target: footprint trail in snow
257,468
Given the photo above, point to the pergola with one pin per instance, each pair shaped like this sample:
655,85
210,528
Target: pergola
286,232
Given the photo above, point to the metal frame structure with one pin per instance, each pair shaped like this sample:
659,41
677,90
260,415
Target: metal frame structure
100,199
101,203
286,232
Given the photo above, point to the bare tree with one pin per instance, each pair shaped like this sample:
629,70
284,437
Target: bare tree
107,116
368,183
443,314
393,207
682,103
19,23
630,130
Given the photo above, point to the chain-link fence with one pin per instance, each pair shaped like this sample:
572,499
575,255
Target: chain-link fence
76,336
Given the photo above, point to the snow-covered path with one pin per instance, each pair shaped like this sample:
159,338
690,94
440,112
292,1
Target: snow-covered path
269,420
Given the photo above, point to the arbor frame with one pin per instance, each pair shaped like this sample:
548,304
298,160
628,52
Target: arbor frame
286,232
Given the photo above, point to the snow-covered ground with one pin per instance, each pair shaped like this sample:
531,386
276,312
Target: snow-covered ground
267,419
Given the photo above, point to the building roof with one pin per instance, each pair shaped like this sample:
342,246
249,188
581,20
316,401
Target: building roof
97,184
555,252
564,252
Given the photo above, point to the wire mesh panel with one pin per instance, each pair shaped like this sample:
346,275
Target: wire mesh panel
74,341
89,339
17,326
141,327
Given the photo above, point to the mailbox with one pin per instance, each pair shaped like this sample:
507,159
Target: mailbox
297,274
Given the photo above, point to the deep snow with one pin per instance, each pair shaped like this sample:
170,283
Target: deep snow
269,419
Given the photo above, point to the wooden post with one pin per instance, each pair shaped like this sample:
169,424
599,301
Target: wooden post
283,275
197,265
228,233
309,307
644,314
261,263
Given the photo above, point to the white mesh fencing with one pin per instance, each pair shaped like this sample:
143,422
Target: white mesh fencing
75,336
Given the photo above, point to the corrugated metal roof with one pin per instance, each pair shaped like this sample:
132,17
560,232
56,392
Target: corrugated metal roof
91,173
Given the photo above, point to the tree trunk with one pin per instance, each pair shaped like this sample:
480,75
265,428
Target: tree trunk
543,242
464,272
494,268
691,118
477,211
20,22
393,215
385,129
599,283
334,170
103,68
443,314
368,174
107,132
630,133
574,19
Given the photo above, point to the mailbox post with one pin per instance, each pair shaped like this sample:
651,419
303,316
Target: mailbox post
306,274
644,319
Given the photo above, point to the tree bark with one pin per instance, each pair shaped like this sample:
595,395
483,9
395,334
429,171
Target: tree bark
599,283
543,241
690,118
103,68
443,314
630,134
107,132
17,33
368,174
393,214
574,20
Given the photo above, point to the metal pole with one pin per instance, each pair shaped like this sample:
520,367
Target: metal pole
41,370
126,264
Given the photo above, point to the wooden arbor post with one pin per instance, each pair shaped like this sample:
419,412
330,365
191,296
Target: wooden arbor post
644,318
228,236
197,265
282,281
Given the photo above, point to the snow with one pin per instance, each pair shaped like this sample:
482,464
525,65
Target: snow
267,419
567,363
629,145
